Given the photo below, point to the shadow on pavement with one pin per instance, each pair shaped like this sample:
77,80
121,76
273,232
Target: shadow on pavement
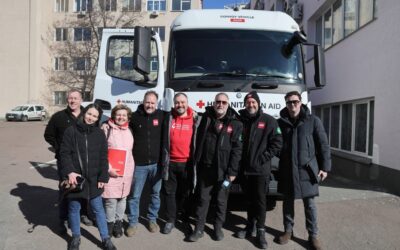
48,171
38,205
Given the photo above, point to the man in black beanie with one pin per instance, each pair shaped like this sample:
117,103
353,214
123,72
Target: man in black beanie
262,140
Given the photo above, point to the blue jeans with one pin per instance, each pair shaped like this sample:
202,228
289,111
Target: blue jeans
152,174
310,211
74,217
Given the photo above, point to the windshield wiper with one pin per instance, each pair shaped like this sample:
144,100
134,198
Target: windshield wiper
213,85
261,85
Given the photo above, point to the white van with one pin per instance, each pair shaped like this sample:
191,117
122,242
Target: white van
26,112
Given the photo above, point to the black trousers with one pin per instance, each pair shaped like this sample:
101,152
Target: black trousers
255,187
177,192
210,188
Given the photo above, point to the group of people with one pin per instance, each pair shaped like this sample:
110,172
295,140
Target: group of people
192,159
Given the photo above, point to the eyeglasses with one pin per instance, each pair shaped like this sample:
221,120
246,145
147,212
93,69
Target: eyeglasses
294,102
221,102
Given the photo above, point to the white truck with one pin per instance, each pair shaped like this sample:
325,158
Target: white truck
210,51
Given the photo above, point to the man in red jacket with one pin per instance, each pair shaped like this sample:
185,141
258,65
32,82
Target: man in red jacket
177,156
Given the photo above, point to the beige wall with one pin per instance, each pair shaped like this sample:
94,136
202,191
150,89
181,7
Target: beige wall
24,55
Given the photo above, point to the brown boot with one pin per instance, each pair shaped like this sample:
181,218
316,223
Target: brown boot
285,237
315,243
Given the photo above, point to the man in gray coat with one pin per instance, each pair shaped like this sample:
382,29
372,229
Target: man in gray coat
305,160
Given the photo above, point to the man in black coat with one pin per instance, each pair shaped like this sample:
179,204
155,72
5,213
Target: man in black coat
53,134
146,125
262,141
305,160
217,156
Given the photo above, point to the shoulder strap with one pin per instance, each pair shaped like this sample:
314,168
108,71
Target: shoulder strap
77,151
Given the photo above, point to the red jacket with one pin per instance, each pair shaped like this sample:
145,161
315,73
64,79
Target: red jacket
181,132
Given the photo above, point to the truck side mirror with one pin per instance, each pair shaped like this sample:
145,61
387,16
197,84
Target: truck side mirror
142,50
319,66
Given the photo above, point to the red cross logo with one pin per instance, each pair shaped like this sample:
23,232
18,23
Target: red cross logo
200,104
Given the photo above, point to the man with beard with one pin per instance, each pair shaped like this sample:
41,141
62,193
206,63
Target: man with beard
262,141
179,130
146,125
305,160
217,156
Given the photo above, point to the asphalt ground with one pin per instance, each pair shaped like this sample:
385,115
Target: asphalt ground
351,215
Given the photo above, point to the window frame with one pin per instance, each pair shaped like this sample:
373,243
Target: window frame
78,4
108,3
60,98
319,110
181,2
61,6
63,34
126,6
87,63
159,4
58,62
83,36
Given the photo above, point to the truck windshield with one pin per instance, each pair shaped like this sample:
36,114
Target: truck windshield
233,54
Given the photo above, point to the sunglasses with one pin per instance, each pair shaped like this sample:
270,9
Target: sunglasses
294,102
221,102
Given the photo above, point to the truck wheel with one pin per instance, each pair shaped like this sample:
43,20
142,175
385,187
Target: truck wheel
24,118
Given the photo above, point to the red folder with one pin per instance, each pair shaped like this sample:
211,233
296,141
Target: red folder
117,160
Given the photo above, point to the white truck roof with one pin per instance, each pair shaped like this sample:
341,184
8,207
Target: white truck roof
231,19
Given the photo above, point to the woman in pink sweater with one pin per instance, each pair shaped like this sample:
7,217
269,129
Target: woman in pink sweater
119,137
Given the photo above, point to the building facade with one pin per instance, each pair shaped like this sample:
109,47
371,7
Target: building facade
32,61
358,105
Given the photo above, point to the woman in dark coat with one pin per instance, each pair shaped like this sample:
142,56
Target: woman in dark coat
83,153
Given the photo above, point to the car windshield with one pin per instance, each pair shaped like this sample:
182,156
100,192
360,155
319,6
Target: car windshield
243,53
20,108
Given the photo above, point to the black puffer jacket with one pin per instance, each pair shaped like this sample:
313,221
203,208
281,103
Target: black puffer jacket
56,127
229,143
305,151
262,141
147,132
92,145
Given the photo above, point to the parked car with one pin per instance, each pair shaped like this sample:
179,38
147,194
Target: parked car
27,112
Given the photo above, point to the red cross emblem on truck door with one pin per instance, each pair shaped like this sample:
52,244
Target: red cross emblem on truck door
200,104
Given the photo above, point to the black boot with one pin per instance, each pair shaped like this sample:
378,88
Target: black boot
218,234
261,242
108,245
249,231
110,226
196,235
74,244
117,230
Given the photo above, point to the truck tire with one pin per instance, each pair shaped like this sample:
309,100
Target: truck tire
24,118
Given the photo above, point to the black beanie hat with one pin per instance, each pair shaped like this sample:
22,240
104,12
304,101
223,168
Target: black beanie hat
254,95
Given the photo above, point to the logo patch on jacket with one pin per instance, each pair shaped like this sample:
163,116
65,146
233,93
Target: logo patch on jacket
229,129
220,126
155,122
261,125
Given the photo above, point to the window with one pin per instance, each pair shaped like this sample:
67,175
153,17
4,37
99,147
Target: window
160,30
82,5
156,5
61,6
131,5
120,60
108,5
349,126
180,5
39,108
343,18
337,27
154,64
81,63
82,34
60,97
350,16
60,63
328,29
366,11
61,34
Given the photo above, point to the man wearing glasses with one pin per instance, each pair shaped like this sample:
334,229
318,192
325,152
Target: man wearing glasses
305,160
217,156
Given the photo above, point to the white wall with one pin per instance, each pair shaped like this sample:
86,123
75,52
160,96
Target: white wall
366,64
